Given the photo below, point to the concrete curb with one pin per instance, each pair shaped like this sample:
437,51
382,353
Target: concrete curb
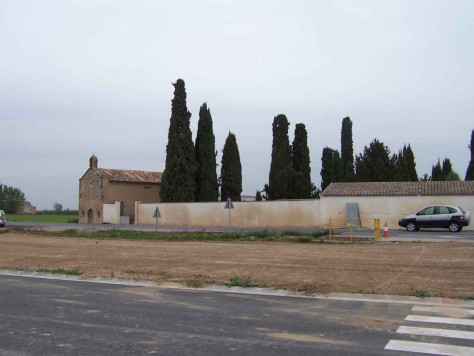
350,297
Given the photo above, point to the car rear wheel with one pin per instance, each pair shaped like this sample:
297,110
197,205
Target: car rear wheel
454,226
411,226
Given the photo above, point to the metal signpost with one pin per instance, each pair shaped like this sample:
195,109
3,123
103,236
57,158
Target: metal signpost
229,206
157,215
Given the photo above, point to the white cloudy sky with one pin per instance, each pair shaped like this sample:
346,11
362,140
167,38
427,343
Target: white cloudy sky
84,77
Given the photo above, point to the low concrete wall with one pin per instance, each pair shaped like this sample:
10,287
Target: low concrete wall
388,209
111,213
280,214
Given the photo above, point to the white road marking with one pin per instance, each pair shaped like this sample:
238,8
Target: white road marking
433,319
442,310
423,347
457,334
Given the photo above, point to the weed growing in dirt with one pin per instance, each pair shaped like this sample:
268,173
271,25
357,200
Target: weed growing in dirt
236,281
419,293
71,272
138,271
363,291
197,281
466,296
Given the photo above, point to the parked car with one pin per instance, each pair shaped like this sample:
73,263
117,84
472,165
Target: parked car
441,216
3,218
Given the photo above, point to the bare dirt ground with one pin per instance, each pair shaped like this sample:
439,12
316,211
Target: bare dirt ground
437,268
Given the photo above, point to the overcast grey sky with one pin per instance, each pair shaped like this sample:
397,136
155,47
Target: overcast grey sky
84,77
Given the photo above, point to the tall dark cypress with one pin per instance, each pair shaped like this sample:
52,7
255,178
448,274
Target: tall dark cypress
178,180
207,188
470,167
231,170
281,173
302,185
347,151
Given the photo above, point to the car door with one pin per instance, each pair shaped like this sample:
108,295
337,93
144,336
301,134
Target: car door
425,217
443,216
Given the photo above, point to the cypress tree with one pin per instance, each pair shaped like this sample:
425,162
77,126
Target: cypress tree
301,164
406,166
447,168
437,172
207,188
178,180
375,164
331,170
231,170
347,151
470,167
281,173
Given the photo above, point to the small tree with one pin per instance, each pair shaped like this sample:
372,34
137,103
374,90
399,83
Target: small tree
444,172
57,208
178,180
207,188
301,164
331,170
231,170
280,182
470,167
11,199
375,164
258,196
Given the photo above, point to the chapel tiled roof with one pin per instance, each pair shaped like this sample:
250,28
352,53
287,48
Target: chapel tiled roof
370,189
129,176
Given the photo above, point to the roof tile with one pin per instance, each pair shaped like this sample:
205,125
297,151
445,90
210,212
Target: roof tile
129,176
399,188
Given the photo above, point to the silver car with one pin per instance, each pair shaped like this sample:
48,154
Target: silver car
437,216
3,218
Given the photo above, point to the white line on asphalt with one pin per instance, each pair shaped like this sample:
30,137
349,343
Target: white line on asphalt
433,319
442,310
457,334
423,347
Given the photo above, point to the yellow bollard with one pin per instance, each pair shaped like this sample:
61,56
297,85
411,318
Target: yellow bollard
330,229
377,229
350,228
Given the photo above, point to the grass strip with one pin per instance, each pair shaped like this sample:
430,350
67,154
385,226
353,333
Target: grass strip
287,236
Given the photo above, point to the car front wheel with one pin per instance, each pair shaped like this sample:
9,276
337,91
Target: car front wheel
454,226
411,226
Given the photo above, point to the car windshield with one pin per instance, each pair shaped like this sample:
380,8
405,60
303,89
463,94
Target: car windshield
461,209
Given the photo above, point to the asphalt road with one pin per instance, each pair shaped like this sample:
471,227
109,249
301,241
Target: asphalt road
56,317
48,317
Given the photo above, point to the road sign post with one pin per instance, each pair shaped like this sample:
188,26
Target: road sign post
156,215
229,206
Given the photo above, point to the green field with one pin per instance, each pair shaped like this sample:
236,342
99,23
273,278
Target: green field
53,218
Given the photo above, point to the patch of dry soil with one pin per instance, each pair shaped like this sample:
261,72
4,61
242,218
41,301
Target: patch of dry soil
444,268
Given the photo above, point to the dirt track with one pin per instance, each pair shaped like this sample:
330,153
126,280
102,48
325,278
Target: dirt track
445,268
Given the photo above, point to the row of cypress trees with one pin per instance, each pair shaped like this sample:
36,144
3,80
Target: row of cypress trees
190,170
377,164
290,171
